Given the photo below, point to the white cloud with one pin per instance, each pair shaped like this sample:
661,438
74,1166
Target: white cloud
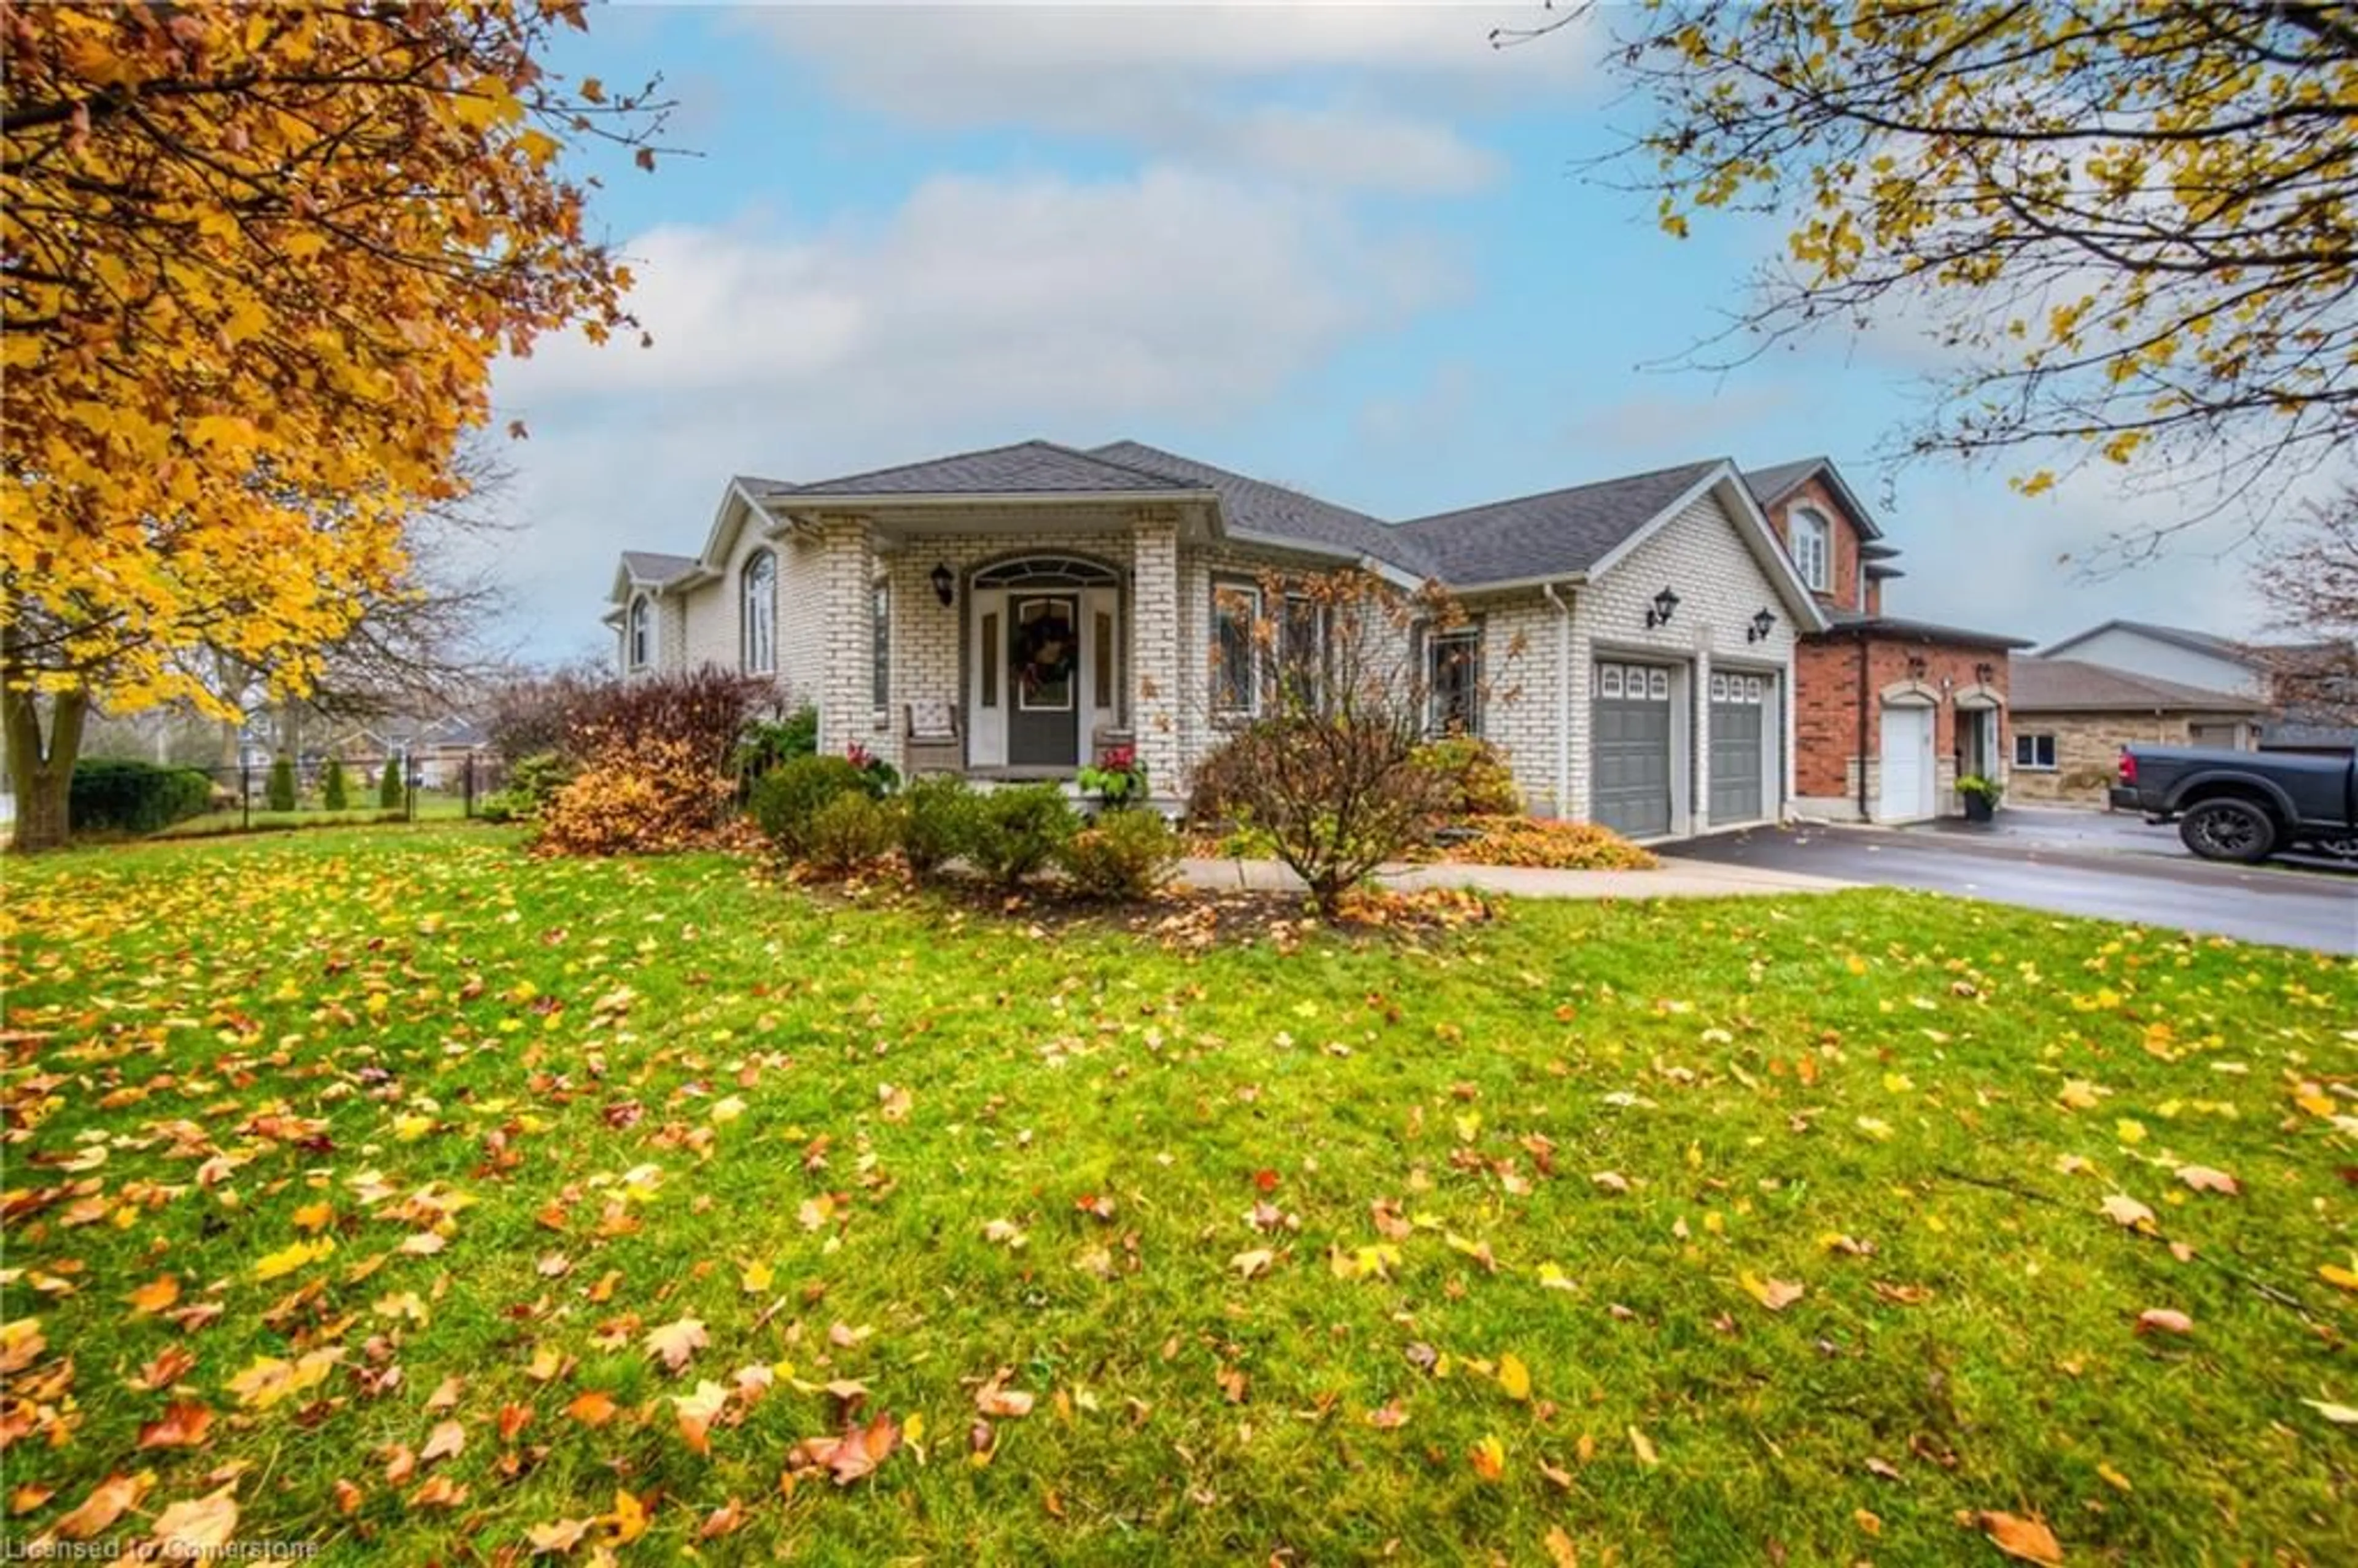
981,311
1338,95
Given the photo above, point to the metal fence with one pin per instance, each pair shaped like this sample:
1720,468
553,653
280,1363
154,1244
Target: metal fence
256,796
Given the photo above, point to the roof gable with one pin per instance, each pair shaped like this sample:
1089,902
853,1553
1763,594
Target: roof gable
2184,637
1778,481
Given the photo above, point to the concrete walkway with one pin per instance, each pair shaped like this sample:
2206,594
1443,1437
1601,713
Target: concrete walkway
1674,879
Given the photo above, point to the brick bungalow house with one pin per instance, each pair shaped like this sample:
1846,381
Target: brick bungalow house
1891,711
1009,614
2279,675
2071,718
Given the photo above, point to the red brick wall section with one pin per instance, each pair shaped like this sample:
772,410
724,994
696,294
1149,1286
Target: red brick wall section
1826,702
1844,567
1825,715
1875,596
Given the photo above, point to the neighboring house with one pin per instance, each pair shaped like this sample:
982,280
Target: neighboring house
2210,663
437,752
1629,644
1892,712
2071,718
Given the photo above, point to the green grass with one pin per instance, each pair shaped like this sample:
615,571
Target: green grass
645,1076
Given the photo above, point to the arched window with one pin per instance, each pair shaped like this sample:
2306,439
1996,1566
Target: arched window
1813,549
642,631
759,613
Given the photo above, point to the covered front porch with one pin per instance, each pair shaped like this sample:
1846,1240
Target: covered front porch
1006,646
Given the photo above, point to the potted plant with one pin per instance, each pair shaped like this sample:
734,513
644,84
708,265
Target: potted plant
1981,796
1117,778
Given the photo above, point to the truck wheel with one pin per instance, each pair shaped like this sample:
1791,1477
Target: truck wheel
2228,829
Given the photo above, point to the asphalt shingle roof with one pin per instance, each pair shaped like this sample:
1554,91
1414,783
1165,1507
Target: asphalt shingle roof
1930,630
654,565
2074,686
1767,484
1033,467
1541,535
1257,507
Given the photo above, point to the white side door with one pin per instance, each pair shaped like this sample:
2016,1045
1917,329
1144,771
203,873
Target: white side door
1907,764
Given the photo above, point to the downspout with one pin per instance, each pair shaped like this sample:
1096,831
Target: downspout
1860,644
1563,700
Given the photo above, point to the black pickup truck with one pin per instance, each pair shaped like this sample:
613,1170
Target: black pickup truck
2243,805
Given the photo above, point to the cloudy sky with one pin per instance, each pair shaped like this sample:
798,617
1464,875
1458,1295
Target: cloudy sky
1350,248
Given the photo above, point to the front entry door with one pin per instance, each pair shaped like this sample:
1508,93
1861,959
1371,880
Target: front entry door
1044,681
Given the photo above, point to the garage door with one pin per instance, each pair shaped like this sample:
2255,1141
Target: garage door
1740,704
1907,764
1630,773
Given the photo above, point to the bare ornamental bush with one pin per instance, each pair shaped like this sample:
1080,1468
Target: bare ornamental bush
1332,685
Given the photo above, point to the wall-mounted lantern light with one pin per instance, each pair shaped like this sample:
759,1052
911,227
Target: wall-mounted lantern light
1983,673
1664,602
1762,622
1915,666
943,583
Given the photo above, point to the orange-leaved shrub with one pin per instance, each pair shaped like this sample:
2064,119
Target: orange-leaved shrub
1551,845
648,795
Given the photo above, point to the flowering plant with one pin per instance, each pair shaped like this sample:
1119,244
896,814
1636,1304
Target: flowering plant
1117,778
877,776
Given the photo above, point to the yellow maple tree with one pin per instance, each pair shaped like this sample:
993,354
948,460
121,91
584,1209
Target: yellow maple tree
258,265
2134,226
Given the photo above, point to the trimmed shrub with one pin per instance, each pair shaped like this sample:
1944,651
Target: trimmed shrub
124,797
936,821
1018,831
1124,854
278,795
532,783
649,798
848,832
1479,782
769,743
388,785
790,795
335,793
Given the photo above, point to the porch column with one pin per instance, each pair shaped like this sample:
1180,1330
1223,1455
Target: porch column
845,607
1156,673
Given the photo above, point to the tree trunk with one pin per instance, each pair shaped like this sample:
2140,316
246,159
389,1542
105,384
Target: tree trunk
40,777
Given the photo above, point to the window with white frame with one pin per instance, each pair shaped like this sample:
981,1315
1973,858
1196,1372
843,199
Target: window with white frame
1813,549
1236,649
641,634
1452,675
1301,651
880,651
2035,753
758,614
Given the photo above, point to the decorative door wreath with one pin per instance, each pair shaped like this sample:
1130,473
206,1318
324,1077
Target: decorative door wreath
1045,650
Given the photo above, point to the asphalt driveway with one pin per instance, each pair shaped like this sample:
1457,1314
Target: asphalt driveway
2092,863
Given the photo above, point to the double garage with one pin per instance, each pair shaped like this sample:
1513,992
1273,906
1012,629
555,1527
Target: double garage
1642,778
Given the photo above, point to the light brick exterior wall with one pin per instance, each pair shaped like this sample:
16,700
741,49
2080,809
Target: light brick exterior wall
1520,699
1699,556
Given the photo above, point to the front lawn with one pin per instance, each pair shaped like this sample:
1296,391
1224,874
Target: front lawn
367,1184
